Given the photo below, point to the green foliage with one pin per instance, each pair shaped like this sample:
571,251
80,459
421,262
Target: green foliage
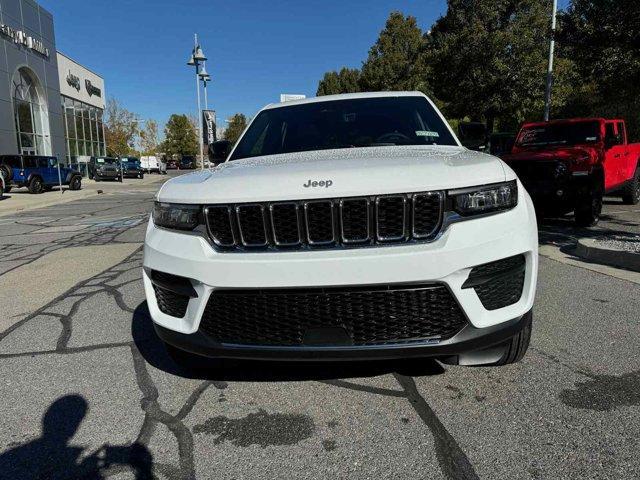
237,124
486,60
180,136
345,81
603,39
396,61
120,128
489,59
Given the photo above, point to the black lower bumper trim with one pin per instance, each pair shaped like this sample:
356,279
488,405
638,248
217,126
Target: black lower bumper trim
469,339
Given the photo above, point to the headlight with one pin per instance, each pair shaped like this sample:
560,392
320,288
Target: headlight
176,216
485,199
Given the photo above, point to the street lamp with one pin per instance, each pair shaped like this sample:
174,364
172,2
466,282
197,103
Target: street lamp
198,57
547,96
205,77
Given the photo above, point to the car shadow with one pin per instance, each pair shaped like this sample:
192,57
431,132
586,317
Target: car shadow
53,456
152,349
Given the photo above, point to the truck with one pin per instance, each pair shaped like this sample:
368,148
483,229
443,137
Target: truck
345,227
569,165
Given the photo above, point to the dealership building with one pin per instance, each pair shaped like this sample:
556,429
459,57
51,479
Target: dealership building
49,104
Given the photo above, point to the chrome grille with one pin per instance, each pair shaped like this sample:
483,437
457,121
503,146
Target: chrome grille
326,223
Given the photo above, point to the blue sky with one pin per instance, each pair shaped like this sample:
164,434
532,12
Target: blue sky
256,49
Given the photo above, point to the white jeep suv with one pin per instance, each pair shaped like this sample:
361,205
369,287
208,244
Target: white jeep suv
345,227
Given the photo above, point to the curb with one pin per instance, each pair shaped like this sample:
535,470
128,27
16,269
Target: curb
588,249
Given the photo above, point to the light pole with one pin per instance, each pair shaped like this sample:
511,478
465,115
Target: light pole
197,57
552,44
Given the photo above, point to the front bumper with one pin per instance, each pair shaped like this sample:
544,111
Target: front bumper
469,346
131,173
447,260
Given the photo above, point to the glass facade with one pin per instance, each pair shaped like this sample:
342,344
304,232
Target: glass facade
84,131
30,114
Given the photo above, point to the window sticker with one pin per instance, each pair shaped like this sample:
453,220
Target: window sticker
426,133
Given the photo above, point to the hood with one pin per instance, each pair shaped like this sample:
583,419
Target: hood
549,154
343,173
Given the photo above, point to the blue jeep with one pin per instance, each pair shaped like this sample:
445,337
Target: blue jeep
37,173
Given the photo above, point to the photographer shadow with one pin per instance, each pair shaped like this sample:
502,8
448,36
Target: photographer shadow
153,351
52,456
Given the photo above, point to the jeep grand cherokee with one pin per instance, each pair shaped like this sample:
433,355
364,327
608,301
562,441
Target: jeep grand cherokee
345,227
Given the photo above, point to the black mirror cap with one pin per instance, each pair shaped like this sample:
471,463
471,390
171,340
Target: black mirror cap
219,151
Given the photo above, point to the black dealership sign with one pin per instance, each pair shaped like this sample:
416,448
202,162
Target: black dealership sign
208,126
92,90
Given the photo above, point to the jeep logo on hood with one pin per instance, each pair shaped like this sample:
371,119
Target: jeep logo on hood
318,183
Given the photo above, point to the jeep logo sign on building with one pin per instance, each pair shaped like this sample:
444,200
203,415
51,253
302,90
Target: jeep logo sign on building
80,83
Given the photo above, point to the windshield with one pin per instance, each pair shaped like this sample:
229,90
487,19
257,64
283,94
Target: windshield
560,134
131,162
110,161
366,122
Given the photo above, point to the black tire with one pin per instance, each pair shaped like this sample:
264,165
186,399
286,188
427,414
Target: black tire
1,191
141,176
519,343
589,206
36,186
7,189
7,172
120,179
631,193
75,183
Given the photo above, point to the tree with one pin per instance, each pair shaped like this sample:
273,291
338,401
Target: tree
121,128
236,126
396,60
149,138
345,81
180,137
603,38
489,59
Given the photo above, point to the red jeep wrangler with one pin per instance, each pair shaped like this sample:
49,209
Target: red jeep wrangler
568,165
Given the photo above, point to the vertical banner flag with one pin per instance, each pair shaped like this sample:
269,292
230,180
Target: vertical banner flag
209,126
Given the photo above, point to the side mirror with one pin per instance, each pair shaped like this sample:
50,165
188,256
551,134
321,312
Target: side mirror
219,151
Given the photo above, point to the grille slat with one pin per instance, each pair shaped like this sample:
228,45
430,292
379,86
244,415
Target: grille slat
367,315
427,214
391,218
328,223
320,222
285,224
252,227
354,218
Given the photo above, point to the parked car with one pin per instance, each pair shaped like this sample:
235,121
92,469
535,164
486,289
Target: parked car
568,165
501,142
37,173
362,230
172,164
105,168
131,167
187,162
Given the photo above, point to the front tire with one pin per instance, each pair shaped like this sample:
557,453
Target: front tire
76,183
120,179
631,193
36,186
589,206
519,343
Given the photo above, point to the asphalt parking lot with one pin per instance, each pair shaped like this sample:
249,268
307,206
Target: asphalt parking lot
88,391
